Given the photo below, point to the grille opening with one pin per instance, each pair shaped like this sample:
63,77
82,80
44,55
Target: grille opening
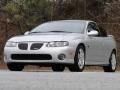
31,57
23,46
36,46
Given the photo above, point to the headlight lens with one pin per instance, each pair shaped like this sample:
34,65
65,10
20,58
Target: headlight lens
11,44
58,44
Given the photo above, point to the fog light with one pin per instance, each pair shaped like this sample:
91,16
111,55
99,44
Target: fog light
61,56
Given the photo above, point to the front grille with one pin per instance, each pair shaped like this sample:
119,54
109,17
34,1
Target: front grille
36,46
31,57
23,46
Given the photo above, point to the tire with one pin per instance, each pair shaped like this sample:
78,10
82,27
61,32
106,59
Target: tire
79,60
112,63
58,68
15,67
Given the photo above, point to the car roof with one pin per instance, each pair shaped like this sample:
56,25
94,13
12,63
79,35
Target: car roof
70,21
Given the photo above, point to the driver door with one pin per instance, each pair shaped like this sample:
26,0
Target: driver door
95,48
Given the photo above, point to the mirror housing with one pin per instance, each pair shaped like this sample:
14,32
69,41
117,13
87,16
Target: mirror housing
92,33
27,33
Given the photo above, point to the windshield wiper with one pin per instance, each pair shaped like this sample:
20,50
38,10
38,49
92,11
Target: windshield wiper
51,31
59,31
35,32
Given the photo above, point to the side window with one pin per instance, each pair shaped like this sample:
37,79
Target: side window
93,26
103,32
90,27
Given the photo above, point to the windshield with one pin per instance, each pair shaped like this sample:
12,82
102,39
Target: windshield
68,27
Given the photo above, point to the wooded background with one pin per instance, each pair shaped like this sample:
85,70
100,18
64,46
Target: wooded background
18,16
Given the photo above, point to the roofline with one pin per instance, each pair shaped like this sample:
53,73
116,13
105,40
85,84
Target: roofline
87,21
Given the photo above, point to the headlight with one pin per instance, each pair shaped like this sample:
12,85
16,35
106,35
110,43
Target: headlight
58,44
11,44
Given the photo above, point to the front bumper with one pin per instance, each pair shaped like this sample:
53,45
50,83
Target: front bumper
69,52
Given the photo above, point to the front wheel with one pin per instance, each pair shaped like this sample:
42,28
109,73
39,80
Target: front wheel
58,68
79,60
112,64
15,67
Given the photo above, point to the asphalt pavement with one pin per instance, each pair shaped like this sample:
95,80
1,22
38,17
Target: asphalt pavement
27,80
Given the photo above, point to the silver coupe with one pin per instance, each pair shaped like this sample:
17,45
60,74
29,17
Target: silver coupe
71,43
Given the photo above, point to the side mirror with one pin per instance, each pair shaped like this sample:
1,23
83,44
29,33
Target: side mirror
27,33
92,33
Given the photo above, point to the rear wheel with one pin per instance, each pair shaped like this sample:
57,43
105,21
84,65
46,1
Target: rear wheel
112,64
58,68
15,67
79,60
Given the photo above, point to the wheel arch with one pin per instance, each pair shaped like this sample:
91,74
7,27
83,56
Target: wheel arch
82,44
115,51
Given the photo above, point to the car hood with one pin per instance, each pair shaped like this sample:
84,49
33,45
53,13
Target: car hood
46,37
